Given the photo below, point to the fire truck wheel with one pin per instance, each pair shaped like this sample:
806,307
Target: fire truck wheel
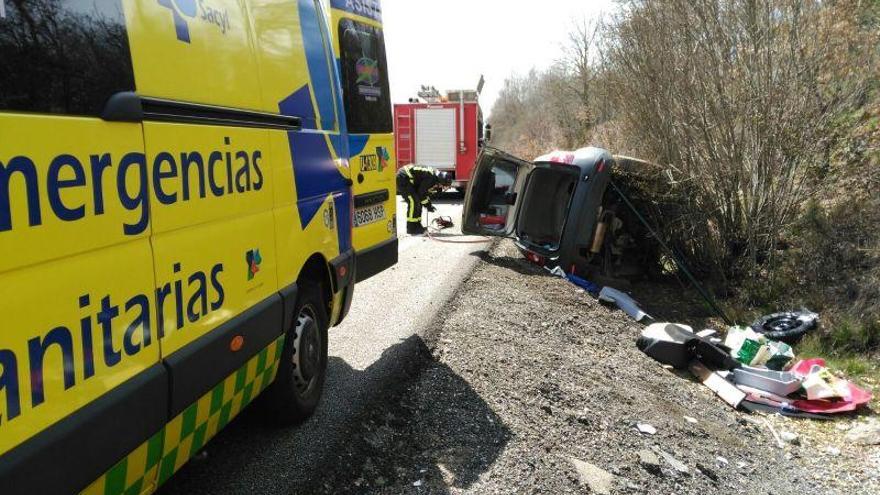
297,389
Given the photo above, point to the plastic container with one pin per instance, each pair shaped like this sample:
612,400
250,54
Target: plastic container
778,382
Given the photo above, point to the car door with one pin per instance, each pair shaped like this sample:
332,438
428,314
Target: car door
493,197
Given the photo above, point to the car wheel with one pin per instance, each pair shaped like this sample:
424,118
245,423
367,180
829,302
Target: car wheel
789,327
297,389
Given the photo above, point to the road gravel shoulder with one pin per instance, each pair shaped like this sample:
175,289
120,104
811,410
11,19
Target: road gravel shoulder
529,385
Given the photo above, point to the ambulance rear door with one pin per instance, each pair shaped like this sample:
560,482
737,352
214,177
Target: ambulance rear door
359,46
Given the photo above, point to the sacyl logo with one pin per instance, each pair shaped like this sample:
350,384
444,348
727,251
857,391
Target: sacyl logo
184,10
254,260
384,156
180,8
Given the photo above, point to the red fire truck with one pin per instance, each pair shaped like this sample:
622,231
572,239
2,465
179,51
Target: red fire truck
444,132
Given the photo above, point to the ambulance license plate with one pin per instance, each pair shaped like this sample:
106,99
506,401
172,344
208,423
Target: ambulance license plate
370,214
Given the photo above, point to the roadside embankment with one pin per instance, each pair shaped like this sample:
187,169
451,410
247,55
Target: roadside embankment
533,386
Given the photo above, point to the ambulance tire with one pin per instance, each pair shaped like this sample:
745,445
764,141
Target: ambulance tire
297,389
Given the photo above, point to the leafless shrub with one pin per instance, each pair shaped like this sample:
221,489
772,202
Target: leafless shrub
744,104
730,96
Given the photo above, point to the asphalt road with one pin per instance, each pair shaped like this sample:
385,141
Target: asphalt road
377,346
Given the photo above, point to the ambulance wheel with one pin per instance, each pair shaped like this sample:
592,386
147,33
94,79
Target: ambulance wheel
297,389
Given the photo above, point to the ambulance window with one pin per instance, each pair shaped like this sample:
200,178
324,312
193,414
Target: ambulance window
320,60
365,78
62,56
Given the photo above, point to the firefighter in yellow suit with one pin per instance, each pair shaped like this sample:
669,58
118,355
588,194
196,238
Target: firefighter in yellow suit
418,185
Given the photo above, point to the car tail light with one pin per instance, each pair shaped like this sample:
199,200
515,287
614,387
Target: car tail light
535,258
601,167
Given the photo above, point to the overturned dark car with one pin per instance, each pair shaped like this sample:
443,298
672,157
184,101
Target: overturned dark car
561,210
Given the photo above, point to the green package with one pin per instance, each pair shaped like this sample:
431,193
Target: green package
748,351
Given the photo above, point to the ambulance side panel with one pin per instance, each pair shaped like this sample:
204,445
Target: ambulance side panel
312,205
246,233
81,382
168,236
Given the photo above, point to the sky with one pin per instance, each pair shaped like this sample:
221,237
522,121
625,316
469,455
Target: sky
449,44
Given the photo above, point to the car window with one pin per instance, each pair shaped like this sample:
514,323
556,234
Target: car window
365,78
62,56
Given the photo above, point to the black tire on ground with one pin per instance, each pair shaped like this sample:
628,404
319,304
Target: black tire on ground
789,327
297,389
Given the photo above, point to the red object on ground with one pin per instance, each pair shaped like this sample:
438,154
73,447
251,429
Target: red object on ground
858,398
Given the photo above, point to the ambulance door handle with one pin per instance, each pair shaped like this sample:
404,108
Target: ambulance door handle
131,107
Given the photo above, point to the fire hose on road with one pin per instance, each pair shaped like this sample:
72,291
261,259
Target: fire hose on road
440,223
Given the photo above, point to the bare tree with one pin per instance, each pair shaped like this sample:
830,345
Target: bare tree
728,94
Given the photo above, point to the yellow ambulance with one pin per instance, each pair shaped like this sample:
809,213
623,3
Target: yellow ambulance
189,190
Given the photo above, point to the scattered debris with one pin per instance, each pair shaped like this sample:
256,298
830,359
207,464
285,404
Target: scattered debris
753,372
624,302
599,480
585,285
667,343
830,394
776,436
691,420
417,483
722,461
789,327
754,349
723,388
646,428
790,437
672,461
832,451
776,382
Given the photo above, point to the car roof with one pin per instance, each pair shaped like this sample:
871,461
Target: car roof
583,158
